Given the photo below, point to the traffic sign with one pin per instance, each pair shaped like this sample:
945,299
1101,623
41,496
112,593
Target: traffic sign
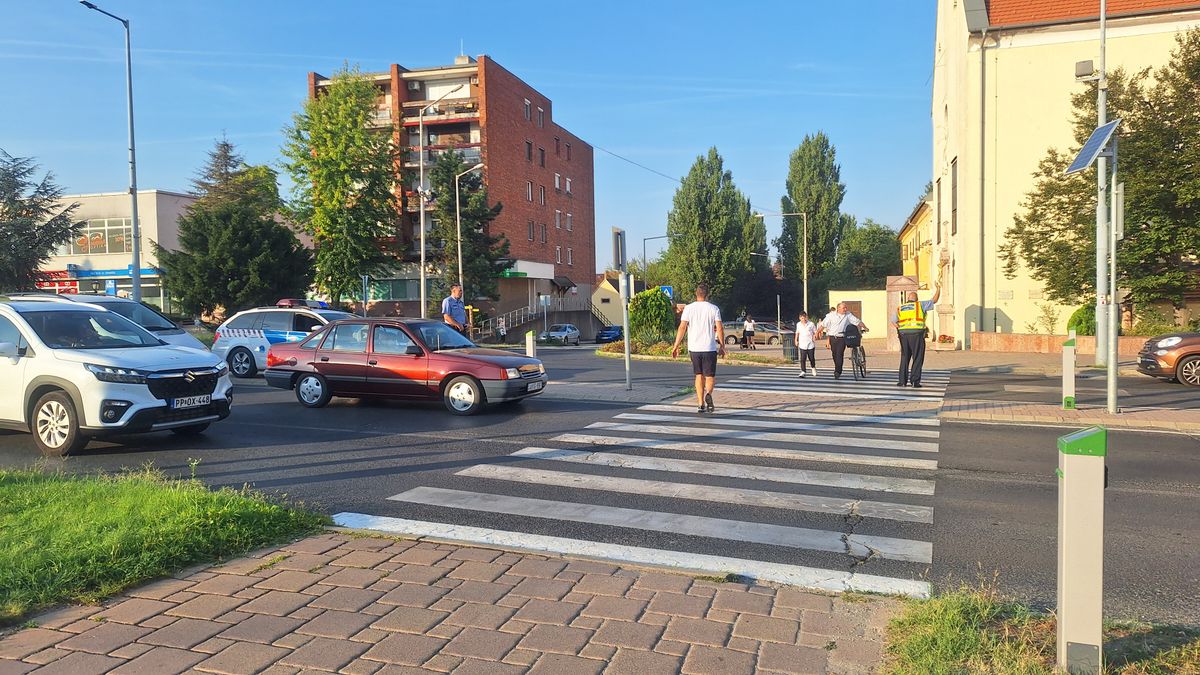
670,291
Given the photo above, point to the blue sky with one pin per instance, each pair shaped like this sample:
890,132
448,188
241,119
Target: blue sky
656,82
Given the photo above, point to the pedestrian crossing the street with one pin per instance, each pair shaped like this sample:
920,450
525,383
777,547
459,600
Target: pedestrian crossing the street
877,385
824,499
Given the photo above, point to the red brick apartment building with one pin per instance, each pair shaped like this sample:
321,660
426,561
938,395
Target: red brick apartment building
538,170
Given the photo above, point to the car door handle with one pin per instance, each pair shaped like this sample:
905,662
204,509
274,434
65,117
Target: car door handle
372,363
324,358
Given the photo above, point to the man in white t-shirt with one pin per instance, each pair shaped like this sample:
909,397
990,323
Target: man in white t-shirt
701,322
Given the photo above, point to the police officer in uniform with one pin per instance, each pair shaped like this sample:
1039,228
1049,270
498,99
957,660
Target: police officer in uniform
910,324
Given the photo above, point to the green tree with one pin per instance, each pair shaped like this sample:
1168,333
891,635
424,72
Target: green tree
867,255
233,256
343,174
484,256
33,222
814,187
651,316
707,228
1159,146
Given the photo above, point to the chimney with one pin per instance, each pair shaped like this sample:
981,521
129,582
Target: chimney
463,59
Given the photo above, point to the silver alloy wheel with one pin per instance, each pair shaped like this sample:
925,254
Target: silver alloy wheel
462,395
310,390
53,424
1189,372
241,362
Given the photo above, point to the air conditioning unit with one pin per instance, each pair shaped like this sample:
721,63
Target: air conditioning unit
414,85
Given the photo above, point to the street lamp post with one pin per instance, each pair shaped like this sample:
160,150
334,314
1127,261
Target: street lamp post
805,264
135,272
421,186
778,305
458,220
645,260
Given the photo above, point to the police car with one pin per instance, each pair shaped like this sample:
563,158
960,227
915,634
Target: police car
244,338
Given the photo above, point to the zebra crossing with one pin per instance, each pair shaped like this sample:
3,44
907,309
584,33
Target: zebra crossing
825,499
877,385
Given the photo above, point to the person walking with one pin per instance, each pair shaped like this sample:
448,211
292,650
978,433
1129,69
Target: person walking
454,311
748,333
910,325
806,344
834,325
701,323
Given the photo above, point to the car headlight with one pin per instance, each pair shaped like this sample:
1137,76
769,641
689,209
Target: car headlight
542,368
1161,352
1169,342
512,373
222,370
113,374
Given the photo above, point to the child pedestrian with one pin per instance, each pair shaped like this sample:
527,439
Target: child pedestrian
806,343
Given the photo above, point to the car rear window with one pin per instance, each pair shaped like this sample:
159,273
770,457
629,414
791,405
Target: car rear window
277,321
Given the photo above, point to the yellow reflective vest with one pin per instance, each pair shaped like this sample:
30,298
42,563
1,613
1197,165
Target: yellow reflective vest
911,316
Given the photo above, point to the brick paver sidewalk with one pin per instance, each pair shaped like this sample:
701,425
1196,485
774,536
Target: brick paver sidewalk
336,603
1045,413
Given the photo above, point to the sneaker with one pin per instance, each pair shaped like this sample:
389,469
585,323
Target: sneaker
814,372
708,402
802,374
917,385
701,410
901,384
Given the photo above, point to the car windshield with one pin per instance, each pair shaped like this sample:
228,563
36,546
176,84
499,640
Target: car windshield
141,315
440,337
88,330
334,315
559,328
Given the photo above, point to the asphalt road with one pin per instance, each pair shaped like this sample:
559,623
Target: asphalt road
1133,391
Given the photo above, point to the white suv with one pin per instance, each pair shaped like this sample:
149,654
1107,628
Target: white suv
244,338
76,371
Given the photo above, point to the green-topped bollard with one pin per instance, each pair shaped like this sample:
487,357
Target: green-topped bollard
1081,482
1068,372
530,345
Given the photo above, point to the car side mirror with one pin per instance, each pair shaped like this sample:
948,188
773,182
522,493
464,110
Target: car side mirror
313,329
413,350
9,350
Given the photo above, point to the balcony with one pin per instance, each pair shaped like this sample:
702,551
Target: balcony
449,109
471,154
380,118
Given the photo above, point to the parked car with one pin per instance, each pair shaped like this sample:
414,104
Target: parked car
76,371
244,338
560,333
609,334
403,359
765,332
138,312
1175,356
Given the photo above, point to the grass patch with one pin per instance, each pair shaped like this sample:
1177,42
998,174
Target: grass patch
202,334
973,630
81,538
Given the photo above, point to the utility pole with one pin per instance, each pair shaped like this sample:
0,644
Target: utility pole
1103,303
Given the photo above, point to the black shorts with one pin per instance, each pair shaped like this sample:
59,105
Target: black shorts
704,363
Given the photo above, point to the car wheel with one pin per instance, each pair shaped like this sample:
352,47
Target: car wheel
463,396
55,425
576,342
772,340
190,430
731,340
241,363
312,391
1188,371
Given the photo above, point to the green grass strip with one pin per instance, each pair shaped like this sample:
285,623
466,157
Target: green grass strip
81,538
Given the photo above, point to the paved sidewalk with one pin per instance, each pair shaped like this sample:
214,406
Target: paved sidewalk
1045,413
337,603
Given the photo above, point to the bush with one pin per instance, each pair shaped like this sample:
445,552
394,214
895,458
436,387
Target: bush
1152,321
1083,320
651,314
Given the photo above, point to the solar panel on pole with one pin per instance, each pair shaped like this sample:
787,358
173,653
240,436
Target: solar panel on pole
1095,144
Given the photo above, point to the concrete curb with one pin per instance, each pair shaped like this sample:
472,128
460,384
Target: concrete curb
1112,423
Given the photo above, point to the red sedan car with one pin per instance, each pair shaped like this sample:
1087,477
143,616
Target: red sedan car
404,359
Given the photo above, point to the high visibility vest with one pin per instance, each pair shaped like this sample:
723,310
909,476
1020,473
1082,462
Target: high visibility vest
912,316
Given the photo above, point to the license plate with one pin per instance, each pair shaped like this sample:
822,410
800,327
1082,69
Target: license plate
191,401
536,386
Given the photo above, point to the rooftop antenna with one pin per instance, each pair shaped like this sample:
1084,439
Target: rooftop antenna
461,52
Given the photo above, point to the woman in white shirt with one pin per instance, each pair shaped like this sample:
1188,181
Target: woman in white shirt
806,343
748,333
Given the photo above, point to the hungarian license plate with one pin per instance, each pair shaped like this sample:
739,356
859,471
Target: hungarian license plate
191,401
536,386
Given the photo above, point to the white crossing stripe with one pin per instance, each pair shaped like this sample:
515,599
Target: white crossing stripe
818,439
860,546
878,385
926,420
822,393
844,429
834,581
914,486
751,451
707,493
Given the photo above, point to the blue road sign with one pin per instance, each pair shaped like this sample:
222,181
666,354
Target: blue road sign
669,291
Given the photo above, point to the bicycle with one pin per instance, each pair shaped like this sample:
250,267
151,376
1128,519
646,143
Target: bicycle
858,360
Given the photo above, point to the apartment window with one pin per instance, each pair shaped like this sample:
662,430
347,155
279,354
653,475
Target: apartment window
528,151
543,233
527,108
542,194
529,190
568,186
531,228
556,146
570,257
557,219
557,183
542,156
937,224
954,196
568,152
558,254
569,222
541,118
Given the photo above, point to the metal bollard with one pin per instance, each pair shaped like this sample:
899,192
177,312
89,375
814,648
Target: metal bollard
530,345
1068,372
1081,482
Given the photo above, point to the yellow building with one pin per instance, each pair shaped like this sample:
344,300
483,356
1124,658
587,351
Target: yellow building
1004,72
916,243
